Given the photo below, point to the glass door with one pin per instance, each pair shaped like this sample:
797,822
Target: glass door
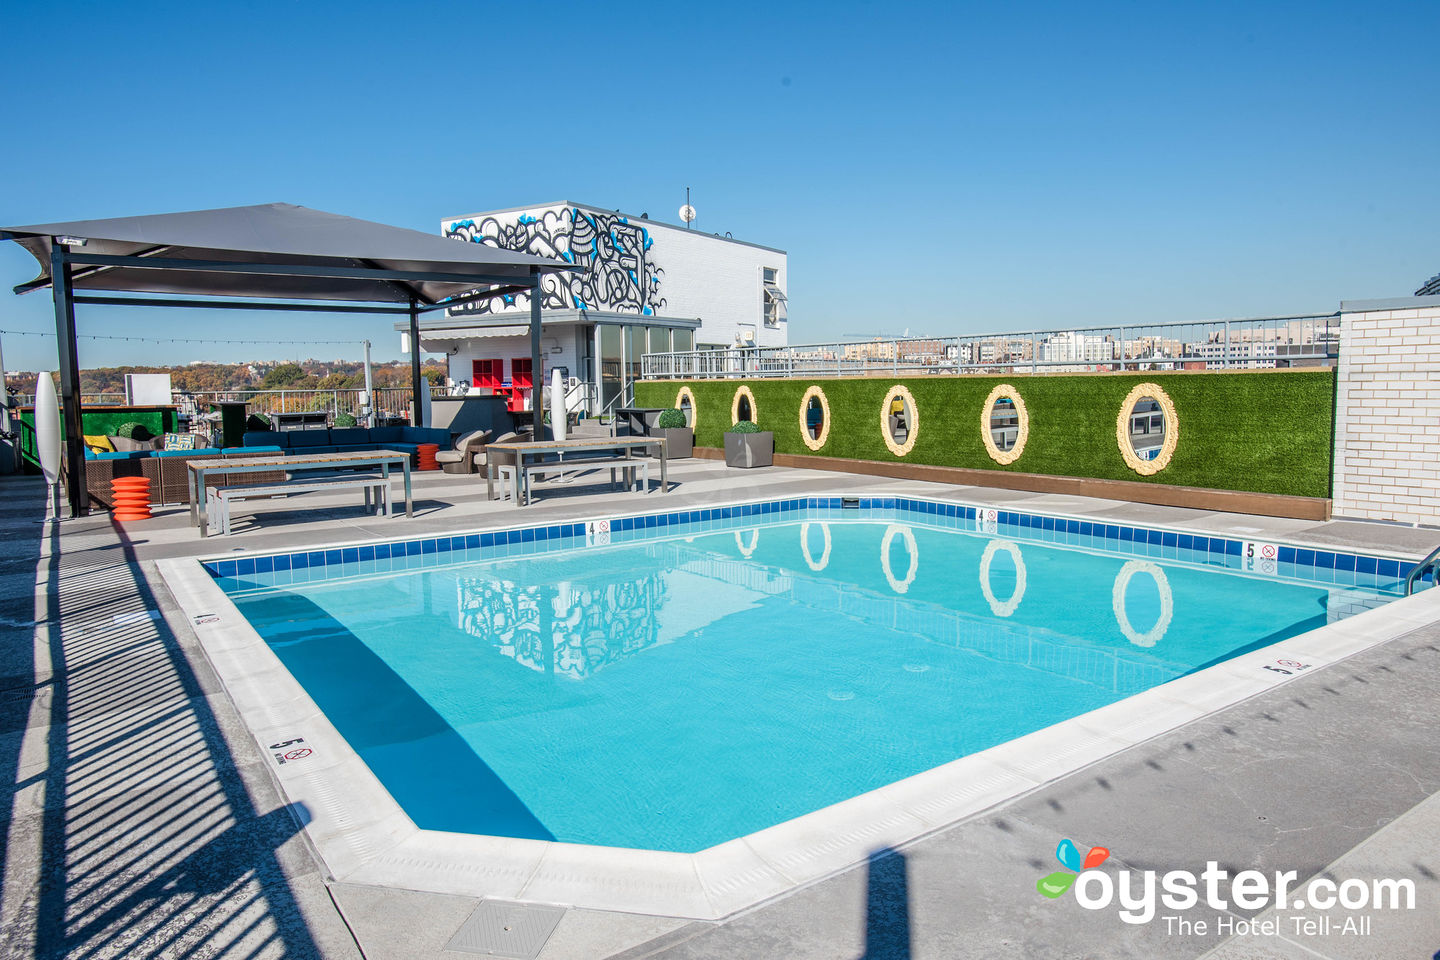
611,359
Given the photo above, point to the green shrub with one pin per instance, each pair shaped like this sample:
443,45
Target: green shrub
344,420
257,421
131,430
745,426
670,419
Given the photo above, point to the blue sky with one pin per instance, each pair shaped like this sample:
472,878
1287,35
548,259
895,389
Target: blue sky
943,168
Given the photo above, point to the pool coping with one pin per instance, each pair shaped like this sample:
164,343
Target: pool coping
363,836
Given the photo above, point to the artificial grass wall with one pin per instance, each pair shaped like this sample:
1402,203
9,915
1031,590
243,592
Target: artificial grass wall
99,420
1261,432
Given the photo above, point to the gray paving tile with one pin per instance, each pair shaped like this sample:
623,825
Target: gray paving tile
1261,948
1373,536
1407,849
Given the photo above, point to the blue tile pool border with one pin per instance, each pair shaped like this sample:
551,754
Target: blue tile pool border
1335,567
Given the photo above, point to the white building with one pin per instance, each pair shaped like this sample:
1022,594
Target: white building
1073,346
646,287
1255,352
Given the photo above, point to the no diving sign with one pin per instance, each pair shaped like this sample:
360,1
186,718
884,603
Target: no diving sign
1259,557
288,751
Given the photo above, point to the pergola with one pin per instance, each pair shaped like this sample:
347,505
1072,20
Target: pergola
273,256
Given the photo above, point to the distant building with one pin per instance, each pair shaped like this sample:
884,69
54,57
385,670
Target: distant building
646,287
1430,288
1075,347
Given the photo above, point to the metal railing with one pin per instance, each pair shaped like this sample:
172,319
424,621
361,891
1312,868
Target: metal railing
86,399
387,401
1307,340
1430,565
624,398
580,395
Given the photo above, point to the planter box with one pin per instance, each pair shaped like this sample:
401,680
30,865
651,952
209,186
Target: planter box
679,441
750,449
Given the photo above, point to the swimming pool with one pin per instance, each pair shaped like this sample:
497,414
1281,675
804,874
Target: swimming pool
676,681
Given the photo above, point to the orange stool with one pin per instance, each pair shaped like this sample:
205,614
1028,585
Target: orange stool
426,454
130,498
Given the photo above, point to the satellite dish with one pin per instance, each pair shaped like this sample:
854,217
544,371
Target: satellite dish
687,213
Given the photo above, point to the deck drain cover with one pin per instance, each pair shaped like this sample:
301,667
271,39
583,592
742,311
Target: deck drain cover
501,929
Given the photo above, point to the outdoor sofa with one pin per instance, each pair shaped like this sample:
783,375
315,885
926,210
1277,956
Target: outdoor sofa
166,470
349,440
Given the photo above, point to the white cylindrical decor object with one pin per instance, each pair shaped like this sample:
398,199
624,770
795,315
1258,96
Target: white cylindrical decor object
47,428
557,404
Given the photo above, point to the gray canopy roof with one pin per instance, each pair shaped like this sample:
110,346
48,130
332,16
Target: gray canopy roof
281,235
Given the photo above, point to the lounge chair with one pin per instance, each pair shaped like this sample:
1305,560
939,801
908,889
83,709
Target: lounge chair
462,458
481,455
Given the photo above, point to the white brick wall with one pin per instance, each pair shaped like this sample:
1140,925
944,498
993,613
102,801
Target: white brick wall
1387,427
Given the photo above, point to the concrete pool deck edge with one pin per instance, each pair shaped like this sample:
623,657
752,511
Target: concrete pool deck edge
363,837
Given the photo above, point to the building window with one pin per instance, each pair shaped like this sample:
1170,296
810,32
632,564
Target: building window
772,298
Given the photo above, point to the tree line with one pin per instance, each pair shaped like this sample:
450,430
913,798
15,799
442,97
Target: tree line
216,377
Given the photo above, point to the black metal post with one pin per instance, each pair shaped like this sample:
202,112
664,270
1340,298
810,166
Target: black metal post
417,381
537,375
71,421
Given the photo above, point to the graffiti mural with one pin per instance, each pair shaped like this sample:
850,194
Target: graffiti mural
619,274
581,629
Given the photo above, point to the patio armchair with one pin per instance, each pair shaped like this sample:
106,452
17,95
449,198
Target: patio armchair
480,454
462,458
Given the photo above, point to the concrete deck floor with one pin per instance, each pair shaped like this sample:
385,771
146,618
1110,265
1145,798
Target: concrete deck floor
142,820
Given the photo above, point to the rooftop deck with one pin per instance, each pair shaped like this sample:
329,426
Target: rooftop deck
144,820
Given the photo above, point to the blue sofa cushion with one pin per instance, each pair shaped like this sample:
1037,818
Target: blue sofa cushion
308,438
349,435
264,438
252,450
426,435
201,452
118,455
387,434
355,447
403,447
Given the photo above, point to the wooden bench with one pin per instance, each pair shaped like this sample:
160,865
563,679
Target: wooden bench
628,466
375,486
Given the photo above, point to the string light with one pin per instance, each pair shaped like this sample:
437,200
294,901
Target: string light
88,336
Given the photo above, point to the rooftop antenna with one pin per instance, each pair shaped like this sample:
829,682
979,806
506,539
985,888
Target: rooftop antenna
687,212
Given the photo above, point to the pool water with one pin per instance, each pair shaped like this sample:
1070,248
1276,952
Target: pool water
677,691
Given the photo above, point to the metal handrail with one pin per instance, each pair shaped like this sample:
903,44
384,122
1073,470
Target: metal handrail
624,398
1431,562
1260,342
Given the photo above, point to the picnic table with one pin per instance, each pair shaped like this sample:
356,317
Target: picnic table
384,460
529,453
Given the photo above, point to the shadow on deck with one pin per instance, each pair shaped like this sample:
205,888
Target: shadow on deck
131,832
